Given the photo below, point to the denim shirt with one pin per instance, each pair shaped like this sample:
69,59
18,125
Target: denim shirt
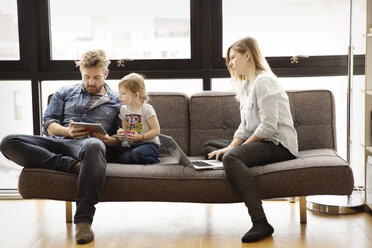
68,103
265,112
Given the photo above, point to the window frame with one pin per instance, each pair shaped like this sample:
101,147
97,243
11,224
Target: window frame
328,65
146,66
206,62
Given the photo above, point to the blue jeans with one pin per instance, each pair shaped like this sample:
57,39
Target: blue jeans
61,154
147,153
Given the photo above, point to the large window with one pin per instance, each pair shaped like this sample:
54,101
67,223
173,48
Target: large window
9,45
141,29
294,27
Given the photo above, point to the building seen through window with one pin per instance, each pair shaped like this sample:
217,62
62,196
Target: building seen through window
141,29
9,45
294,27
16,105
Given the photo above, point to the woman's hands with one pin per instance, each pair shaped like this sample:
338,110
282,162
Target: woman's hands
219,152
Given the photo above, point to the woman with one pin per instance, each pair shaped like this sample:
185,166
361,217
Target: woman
265,134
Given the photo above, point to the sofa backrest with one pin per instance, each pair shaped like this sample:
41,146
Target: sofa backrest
211,115
216,115
314,118
172,110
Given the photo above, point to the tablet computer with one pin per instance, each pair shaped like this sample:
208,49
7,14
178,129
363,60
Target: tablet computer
90,127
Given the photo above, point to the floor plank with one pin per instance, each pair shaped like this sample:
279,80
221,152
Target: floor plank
41,223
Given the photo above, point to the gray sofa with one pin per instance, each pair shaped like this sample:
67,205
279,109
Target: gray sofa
318,170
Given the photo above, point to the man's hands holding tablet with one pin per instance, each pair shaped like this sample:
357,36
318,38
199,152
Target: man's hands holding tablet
79,130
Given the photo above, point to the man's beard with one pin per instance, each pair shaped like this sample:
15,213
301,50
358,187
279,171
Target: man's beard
93,90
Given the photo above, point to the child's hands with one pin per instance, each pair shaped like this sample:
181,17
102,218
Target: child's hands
133,137
120,133
130,136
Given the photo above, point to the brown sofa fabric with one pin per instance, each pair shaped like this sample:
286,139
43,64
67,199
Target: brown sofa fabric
207,115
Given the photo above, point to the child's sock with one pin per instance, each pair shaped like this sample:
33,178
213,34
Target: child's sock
260,229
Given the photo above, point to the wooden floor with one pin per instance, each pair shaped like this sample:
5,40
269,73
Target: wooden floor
41,223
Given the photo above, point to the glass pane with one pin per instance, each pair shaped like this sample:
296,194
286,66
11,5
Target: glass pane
142,29
9,46
221,84
16,105
292,27
187,86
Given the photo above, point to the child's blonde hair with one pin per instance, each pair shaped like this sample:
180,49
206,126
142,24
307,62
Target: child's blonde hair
135,82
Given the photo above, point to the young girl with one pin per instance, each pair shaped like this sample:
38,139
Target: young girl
265,135
140,125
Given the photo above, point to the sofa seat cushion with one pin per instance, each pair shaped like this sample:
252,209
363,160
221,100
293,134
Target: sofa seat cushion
314,172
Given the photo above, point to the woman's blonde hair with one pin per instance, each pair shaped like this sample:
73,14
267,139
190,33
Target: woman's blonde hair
135,82
96,58
257,62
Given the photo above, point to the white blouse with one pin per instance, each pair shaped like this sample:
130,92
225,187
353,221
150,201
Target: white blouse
265,112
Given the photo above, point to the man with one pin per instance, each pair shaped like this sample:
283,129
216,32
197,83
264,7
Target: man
72,149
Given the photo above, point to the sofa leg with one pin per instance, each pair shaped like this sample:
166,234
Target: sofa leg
292,199
68,212
303,218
